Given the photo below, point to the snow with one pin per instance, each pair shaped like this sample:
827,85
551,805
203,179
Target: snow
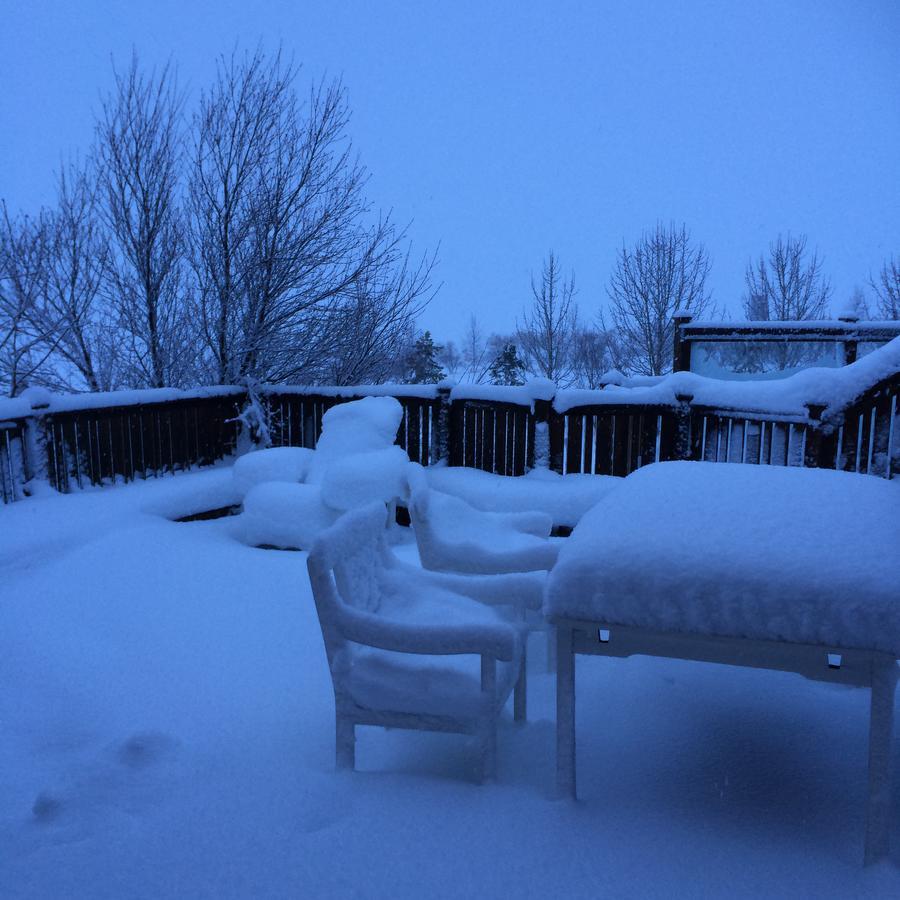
387,389
521,395
288,464
353,428
403,607
565,498
383,679
355,462
168,731
21,406
454,536
359,478
833,388
807,555
288,516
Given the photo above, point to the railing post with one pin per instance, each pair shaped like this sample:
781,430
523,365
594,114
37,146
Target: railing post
539,454
440,434
681,349
681,442
850,346
548,433
818,444
35,456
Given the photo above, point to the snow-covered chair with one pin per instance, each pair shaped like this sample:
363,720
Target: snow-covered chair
414,649
290,494
453,536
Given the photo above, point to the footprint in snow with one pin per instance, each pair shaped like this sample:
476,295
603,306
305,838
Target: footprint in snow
128,776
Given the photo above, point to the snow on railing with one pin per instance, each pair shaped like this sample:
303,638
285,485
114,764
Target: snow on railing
844,418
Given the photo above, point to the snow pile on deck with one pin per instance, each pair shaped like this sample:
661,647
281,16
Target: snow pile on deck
355,462
168,732
565,498
284,464
803,555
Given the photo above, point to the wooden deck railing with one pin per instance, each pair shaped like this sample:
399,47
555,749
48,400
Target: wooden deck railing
12,459
92,440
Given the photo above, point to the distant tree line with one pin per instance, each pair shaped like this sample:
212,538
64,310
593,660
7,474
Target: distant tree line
664,272
232,241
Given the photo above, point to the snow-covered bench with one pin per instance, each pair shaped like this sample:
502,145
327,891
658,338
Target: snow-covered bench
788,569
415,649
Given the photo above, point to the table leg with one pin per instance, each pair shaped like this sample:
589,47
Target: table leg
565,712
881,720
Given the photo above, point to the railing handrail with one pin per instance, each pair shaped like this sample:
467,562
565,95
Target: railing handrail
813,330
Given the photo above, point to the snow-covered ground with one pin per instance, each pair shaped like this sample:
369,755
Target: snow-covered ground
166,730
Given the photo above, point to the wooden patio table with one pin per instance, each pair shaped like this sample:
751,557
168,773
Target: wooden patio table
791,570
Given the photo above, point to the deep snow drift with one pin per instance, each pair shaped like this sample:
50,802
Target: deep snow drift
167,731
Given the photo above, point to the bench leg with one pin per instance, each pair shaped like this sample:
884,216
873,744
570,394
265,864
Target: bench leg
565,713
881,720
489,722
551,649
520,692
344,743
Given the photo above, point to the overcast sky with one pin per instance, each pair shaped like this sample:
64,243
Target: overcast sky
502,130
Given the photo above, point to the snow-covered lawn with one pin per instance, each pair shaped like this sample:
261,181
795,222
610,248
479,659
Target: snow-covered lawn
166,730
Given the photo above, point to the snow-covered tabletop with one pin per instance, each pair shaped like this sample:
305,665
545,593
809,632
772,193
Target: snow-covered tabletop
802,555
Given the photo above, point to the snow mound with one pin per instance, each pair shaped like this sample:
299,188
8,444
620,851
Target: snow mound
275,464
802,555
360,478
355,463
355,427
564,498
287,516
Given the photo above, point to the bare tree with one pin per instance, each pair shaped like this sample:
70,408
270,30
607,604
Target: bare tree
451,359
285,260
887,290
547,330
372,330
787,286
139,150
662,273
235,132
478,352
857,305
27,338
78,255
593,356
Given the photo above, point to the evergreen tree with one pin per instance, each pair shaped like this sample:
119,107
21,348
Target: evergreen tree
507,367
423,367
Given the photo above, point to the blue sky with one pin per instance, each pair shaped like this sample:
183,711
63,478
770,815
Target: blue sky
503,130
